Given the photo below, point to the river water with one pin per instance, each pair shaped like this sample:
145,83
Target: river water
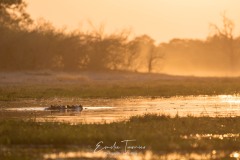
111,110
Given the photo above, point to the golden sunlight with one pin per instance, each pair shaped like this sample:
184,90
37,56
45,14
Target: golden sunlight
119,79
161,19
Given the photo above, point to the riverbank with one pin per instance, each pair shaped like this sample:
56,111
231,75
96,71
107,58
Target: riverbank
26,85
158,133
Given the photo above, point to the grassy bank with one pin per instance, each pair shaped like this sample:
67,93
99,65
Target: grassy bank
158,133
113,86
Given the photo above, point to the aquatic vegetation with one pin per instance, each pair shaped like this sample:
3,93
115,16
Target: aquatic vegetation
167,130
159,133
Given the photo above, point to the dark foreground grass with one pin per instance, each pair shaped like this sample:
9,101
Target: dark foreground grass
157,133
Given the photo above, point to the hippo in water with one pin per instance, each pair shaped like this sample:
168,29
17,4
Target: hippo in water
65,107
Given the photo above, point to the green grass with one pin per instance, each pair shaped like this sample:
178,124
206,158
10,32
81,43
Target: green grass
150,88
158,133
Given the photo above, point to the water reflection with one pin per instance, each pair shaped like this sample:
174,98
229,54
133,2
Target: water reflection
230,99
210,136
148,155
102,155
234,155
109,110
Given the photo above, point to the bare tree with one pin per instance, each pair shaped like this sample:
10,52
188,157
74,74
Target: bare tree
225,35
144,51
154,56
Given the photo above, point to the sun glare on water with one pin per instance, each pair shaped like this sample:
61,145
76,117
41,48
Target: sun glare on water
230,99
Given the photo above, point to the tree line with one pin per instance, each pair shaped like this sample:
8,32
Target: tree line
25,45
29,45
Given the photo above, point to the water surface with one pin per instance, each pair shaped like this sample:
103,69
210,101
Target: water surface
110,110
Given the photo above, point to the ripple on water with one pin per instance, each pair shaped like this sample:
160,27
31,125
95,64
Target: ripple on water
148,155
109,110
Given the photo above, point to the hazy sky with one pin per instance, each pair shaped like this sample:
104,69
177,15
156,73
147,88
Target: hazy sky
161,19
